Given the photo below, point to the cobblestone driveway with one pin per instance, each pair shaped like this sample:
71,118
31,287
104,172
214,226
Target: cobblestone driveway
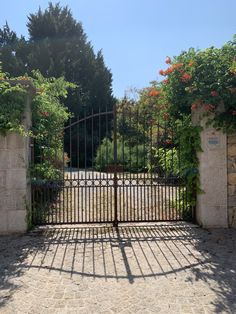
165,268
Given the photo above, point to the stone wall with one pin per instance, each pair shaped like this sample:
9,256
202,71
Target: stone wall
211,210
212,204
14,181
231,155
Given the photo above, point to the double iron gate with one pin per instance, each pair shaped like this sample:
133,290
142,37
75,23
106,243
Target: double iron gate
117,166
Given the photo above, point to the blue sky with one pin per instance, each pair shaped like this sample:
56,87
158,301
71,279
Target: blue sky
137,35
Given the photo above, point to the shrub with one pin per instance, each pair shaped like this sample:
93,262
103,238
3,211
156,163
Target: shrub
167,161
134,159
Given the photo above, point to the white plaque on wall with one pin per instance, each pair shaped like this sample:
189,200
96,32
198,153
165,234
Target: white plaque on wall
213,140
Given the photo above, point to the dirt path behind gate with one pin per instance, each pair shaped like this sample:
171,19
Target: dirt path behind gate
89,197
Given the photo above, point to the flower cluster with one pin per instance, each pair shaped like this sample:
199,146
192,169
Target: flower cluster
185,77
214,93
154,92
168,60
209,107
179,66
44,114
168,142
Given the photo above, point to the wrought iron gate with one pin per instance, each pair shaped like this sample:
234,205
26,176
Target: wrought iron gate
118,166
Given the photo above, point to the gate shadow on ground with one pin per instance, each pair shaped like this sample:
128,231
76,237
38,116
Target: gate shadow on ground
14,251
130,253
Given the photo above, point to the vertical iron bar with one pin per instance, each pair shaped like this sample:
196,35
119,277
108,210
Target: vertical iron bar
69,210
78,172
151,161
107,175
129,205
173,211
85,166
82,182
100,168
179,197
75,202
136,216
144,163
89,202
48,203
156,187
96,197
92,184
159,200
62,214
123,162
115,223
67,197
166,209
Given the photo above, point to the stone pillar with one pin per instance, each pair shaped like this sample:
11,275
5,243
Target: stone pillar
211,209
15,191
231,153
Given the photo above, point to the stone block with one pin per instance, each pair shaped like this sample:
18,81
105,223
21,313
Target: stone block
232,178
7,200
213,216
215,192
232,200
3,222
232,164
3,142
3,174
4,158
20,199
16,179
17,159
15,141
17,221
231,150
231,190
232,217
17,199
231,139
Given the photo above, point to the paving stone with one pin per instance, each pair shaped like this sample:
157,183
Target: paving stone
166,268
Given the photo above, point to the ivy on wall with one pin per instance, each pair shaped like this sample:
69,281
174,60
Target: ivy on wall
48,118
12,105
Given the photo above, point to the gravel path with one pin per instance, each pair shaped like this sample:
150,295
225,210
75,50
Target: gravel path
89,197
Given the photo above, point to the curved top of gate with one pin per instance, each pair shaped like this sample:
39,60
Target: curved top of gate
91,116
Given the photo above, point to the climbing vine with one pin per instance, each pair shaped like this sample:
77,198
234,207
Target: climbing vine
203,80
12,105
48,118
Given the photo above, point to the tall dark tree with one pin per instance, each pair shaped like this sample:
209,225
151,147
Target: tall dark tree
58,46
10,47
